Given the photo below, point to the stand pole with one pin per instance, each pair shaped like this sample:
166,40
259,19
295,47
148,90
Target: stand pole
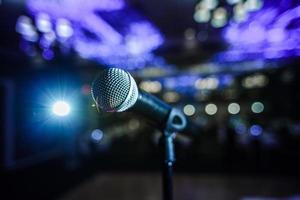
168,160
176,122
167,182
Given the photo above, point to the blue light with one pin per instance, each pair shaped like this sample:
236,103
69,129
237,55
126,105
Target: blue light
256,130
241,129
188,83
48,54
97,135
238,125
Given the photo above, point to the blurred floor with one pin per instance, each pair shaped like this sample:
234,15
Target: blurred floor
120,186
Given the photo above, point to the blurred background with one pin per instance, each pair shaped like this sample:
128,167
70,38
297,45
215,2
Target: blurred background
232,67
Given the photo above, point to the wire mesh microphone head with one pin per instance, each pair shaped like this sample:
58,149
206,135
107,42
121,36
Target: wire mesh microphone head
114,90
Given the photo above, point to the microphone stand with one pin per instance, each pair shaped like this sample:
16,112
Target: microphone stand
175,123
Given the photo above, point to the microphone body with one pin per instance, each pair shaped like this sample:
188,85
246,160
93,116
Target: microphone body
114,90
151,108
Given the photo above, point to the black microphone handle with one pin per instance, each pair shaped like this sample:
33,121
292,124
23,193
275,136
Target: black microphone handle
157,111
151,108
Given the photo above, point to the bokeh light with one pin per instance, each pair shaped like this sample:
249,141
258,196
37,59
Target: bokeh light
257,107
97,135
171,97
256,130
189,110
211,109
234,108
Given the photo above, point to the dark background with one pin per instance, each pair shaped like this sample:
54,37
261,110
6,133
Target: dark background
229,156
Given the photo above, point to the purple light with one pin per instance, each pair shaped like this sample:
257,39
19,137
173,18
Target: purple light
285,18
100,28
48,54
43,23
138,32
47,40
276,35
273,53
64,28
254,34
25,27
232,33
72,9
94,30
266,34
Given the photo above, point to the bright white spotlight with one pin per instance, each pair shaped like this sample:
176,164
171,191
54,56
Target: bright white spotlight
61,108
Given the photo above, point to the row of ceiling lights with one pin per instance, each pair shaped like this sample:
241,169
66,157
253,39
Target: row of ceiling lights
233,108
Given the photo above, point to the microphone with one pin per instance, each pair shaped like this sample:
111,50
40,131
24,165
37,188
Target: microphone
114,90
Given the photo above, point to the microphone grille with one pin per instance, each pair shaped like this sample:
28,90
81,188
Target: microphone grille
114,90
